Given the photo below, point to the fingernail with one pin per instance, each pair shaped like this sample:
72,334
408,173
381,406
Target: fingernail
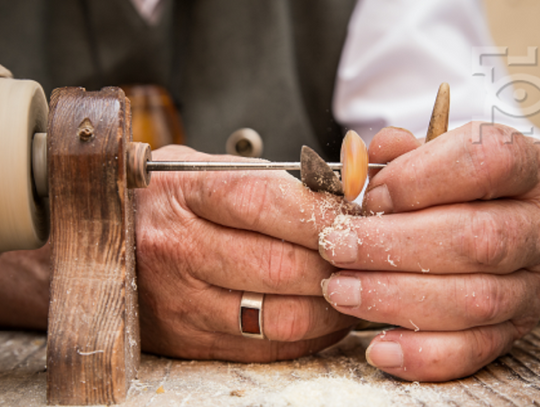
385,354
378,200
339,247
343,290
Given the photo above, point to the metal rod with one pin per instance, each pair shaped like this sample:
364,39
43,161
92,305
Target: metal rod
233,166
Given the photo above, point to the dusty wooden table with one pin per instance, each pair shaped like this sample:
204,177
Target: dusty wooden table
338,376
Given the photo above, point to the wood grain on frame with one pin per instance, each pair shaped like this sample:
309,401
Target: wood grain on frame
93,338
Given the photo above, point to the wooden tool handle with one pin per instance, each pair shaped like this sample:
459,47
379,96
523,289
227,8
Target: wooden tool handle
439,117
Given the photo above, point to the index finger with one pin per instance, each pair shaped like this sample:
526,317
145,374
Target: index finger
473,162
491,237
273,203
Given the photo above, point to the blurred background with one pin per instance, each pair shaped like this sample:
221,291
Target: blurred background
515,24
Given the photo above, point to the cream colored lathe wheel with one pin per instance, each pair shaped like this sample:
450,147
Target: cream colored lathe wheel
24,222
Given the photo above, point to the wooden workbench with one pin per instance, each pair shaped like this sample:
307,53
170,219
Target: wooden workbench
338,376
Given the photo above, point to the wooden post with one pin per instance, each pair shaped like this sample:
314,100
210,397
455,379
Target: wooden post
93,339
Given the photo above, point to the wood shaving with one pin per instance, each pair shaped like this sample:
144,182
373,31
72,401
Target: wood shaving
423,269
416,328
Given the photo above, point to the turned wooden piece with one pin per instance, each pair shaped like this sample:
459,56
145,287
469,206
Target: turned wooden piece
138,154
93,338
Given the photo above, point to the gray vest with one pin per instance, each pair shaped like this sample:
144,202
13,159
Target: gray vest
265,64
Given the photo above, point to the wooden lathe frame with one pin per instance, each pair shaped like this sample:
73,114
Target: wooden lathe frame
93,338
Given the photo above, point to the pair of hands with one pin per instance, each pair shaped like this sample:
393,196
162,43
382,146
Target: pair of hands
454,260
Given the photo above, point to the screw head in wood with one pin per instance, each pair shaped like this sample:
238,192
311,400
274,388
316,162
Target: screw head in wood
85,130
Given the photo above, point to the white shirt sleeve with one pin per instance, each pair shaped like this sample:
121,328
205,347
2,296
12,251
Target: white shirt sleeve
150,10
398,52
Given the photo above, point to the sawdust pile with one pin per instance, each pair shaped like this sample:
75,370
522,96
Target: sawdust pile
329,391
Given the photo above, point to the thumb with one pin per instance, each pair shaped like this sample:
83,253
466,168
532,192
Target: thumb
439,356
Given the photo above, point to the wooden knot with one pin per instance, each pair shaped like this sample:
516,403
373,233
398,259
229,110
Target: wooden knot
85,130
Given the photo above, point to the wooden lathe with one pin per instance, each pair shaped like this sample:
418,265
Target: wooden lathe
74,163
70,173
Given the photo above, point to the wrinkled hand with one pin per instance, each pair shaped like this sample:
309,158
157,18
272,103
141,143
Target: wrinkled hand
454,262
204,238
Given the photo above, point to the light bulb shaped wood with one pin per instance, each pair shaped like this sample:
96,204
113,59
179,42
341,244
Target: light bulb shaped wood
355,160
